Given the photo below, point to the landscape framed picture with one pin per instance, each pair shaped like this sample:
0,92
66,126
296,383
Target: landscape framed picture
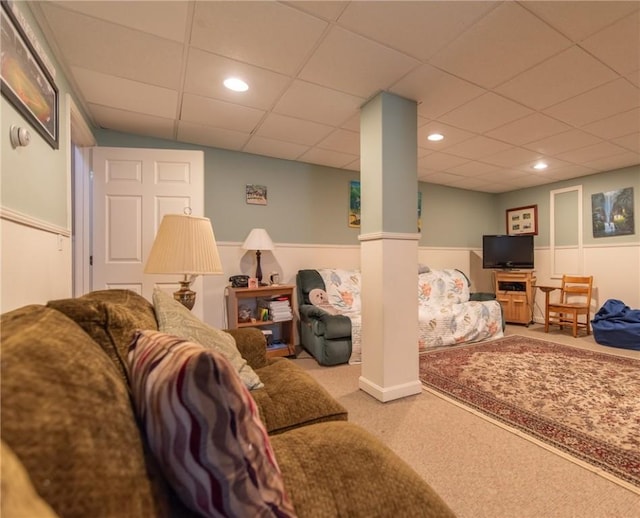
522,220
612,213
25,81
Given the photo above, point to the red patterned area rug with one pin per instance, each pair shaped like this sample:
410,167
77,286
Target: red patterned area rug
584,403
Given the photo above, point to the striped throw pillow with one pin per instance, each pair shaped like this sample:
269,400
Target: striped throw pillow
203,427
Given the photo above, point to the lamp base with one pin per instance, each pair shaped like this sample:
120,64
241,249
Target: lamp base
185,295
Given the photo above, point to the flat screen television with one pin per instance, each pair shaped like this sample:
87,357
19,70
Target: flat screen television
507,252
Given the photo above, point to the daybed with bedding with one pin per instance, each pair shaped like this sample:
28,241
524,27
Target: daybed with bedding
448,313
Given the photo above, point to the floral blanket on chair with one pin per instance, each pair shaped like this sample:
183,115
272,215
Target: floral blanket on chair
343,289
446,315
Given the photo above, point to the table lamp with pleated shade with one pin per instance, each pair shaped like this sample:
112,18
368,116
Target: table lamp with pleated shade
184,245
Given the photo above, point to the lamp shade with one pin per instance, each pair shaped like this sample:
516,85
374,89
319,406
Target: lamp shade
184,245
258,239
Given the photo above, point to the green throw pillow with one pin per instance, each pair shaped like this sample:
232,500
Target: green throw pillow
175,319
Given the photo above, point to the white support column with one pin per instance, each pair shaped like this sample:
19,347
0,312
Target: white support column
389,248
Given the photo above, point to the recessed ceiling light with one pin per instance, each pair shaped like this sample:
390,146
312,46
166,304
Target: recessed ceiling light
540,166
435,137
236,84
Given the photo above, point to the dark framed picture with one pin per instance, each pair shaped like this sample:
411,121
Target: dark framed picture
522,220
26,82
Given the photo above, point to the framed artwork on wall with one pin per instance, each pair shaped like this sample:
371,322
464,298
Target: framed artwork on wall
354,204
612,213
522,220
25,81
256,194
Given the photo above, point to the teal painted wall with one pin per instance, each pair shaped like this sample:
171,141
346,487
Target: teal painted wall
309,203
601,182
34,178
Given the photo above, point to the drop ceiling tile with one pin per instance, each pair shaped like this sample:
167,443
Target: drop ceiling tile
485,113
528,129
439,178
578,20
213,137
506,42
616,126
353,166
572,139
275,148
206,72
631,142
478,147
328,106
165,19
611,45
451,135
325,157
266,34
438,91
634,77
113,49
615,162
468,183
350,63
572,171
353,123
473,169
503,175
426,26
298,131
321,8
131,122
599,103
220,114
523,182
124,94
343,141
440,161
512,157
560,77
552,162
591,153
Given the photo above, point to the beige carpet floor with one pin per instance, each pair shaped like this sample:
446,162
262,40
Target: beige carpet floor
482,469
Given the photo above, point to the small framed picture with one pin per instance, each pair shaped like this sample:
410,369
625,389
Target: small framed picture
522,220
253,282
256,194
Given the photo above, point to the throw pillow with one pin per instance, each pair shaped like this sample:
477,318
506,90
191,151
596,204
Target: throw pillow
203,426
319,298
175,319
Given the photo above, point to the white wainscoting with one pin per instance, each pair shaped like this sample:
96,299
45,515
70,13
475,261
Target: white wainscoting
36,264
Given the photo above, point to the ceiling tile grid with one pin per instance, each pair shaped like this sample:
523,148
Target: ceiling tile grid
506,83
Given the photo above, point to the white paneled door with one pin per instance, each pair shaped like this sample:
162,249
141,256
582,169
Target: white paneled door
132,190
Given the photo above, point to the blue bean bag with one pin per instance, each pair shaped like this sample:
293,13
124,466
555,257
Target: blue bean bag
617,325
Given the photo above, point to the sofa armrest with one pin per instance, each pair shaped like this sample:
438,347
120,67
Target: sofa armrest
325,324
252,345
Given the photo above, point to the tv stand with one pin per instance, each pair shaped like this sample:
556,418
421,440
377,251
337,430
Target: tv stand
514,291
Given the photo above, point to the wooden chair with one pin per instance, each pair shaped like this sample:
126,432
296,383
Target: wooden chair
575,300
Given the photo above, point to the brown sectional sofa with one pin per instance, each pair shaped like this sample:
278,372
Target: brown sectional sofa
68,418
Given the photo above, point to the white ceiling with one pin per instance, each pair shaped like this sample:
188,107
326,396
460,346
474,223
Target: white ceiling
506,83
